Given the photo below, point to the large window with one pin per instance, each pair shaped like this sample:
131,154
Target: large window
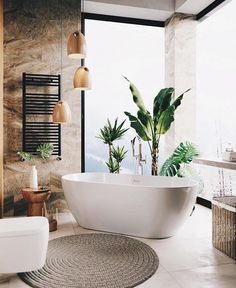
116,50
216,96
216,70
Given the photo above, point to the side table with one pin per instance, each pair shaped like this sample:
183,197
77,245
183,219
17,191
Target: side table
36,199
36,204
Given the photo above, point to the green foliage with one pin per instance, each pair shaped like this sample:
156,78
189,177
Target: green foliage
136,96
118,153
25,156
184,153
109,133
113,165
140,129
45,150
150,127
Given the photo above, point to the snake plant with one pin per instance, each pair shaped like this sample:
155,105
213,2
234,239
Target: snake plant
150,126
183,154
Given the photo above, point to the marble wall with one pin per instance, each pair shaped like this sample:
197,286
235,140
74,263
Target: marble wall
35,37
180,73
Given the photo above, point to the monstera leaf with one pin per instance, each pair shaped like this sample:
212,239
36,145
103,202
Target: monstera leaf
184,153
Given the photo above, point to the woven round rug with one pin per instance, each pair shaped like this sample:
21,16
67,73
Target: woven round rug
94,260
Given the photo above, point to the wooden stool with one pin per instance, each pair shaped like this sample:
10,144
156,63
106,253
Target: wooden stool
36,199
36,204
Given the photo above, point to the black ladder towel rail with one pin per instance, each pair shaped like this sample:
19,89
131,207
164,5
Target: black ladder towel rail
40,94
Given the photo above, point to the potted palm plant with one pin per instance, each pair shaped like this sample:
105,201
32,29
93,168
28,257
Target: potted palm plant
108,134
150,126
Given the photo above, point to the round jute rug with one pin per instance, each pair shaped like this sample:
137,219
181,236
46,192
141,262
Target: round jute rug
94,260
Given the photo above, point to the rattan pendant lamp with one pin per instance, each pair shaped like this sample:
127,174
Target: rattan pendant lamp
77,49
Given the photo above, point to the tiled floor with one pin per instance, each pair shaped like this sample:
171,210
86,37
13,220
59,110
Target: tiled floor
187,260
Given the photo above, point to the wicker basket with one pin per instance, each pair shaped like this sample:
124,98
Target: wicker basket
224,225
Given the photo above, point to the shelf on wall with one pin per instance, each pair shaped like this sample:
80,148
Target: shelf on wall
216,163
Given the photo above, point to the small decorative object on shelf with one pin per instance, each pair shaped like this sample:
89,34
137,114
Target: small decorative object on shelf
224,225
229,154
33,180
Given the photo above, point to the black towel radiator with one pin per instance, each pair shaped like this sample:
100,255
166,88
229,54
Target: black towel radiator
40,94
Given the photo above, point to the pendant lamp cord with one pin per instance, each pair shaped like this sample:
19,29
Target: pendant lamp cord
82,25
61,37
82,3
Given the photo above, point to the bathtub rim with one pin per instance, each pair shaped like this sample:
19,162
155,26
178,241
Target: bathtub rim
191,183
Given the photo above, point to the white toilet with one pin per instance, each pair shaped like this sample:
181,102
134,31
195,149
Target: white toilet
23,244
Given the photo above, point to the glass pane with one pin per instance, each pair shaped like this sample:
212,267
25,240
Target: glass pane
216,68
216,100
116,50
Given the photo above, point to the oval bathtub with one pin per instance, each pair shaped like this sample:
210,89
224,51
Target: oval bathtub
143,206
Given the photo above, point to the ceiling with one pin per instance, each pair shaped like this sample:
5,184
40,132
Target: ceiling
159,10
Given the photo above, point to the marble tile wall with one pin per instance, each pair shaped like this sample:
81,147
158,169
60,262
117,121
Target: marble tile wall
35,38
180,73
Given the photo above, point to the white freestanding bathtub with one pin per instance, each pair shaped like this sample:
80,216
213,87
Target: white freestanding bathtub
143,206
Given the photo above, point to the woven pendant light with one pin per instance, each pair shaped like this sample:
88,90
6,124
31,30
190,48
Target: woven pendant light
76,45
82,79
61,113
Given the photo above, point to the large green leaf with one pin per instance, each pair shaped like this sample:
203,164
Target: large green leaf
146,119
138,126
162,101
165,120
184,153
178,100
137,98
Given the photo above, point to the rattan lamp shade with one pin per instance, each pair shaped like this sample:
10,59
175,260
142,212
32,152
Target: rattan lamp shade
76,46
61,113
82,79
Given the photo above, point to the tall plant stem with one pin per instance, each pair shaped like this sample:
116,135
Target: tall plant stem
110,149
155,154
110,154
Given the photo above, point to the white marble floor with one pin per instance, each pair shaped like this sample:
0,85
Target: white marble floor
187,260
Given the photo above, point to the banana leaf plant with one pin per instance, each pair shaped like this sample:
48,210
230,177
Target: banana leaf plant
150,126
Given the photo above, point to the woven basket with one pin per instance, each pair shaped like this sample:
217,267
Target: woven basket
224,225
